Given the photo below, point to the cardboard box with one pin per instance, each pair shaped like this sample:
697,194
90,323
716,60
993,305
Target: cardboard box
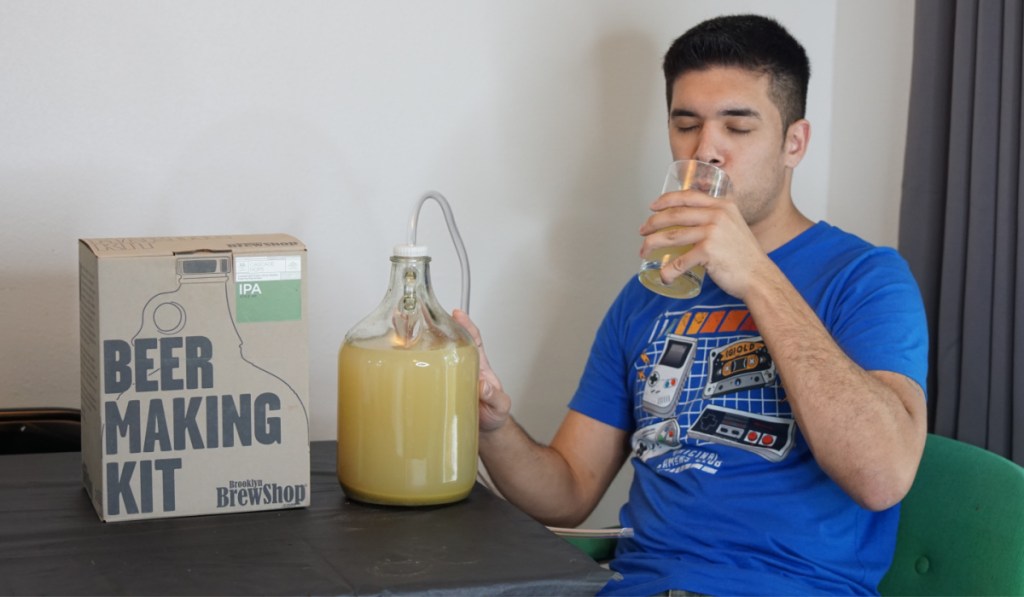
195,375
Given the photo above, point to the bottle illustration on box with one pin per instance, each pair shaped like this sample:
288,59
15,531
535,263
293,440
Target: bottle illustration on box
195,375
183,388
180,330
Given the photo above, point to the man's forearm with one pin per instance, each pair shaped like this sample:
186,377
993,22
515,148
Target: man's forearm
534,477
866,429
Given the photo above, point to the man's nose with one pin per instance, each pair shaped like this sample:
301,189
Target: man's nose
708,148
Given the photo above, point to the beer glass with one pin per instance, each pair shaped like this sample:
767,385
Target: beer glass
682,175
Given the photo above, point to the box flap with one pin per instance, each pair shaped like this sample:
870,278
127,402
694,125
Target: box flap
156,246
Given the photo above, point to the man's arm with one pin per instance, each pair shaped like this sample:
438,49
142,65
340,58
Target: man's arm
559,484
866,428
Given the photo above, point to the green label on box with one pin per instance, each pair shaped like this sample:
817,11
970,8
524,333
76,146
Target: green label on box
269,301
268,288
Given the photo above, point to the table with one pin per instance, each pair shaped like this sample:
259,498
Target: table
52,542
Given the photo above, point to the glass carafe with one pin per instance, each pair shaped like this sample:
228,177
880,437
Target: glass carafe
407,396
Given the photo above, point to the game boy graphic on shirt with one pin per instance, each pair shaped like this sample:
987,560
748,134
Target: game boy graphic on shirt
665,382
707,378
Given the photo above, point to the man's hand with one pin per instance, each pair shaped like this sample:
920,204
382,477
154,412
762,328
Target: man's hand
495,404
722,241
558,484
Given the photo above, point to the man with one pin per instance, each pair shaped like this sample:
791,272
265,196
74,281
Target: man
798,420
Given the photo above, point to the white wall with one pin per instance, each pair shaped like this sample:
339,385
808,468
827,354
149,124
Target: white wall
542,122
870,100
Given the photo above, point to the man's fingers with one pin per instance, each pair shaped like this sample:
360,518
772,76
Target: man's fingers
688,198
463,319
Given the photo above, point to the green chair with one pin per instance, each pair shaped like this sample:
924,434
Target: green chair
961,526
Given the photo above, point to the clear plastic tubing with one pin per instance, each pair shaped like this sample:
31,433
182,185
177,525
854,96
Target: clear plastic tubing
453,230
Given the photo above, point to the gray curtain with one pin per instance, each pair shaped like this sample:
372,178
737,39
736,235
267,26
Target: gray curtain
960,226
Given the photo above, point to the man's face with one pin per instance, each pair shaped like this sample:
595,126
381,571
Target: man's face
723,115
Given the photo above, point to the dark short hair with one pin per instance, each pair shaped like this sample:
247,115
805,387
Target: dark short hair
751,42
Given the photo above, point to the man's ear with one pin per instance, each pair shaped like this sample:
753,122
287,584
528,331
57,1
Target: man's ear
798,135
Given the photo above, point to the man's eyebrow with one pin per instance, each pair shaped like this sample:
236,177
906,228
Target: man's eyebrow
728,112
741,112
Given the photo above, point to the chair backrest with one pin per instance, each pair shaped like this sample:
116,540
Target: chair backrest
961,526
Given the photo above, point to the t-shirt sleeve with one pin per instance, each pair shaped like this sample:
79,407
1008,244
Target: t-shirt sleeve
879,319
602,393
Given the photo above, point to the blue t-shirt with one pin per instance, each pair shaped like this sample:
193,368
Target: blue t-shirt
726,496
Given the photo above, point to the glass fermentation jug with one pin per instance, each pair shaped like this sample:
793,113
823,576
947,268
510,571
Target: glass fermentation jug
407,396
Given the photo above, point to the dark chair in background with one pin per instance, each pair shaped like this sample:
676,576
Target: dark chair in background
31,430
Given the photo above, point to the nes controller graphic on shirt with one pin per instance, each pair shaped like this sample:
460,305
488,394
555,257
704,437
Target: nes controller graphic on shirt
769,437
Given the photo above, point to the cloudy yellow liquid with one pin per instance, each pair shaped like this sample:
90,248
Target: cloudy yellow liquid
685,286
407,423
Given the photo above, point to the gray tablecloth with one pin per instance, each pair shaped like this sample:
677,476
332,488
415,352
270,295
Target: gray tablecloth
52,542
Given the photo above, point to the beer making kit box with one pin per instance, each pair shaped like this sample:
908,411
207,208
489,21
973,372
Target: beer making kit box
195,375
